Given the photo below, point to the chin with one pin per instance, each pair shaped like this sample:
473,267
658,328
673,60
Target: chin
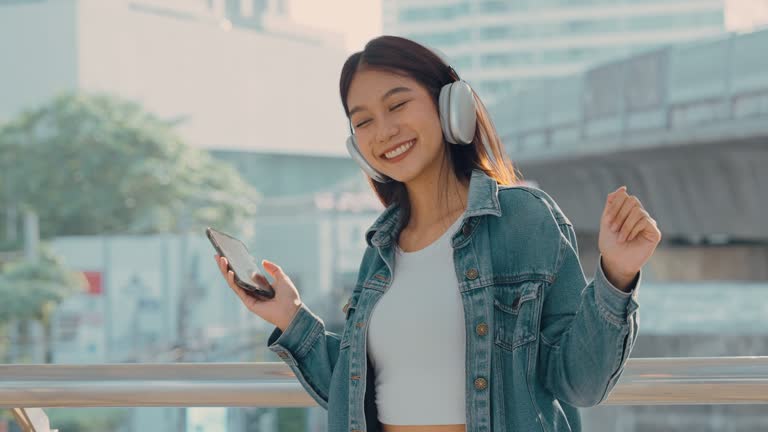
406,175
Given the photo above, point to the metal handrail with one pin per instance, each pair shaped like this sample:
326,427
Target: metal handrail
644,381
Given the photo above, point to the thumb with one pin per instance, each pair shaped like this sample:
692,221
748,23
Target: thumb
274,270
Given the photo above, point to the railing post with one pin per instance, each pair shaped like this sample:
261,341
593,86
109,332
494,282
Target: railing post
32,420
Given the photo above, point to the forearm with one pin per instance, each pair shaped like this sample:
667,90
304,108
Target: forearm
309,350
587,334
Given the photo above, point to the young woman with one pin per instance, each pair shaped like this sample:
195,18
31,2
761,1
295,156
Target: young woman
471,310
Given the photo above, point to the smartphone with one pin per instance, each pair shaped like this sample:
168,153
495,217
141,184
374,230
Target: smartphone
242,264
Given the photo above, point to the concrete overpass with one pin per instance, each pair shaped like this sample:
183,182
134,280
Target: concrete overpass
684,127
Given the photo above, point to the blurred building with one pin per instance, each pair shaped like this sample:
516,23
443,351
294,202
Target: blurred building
243,82
746,15
226,82
501,46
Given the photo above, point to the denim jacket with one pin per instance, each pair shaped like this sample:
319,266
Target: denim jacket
540,340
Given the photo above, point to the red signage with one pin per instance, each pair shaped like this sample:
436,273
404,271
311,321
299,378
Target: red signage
94,282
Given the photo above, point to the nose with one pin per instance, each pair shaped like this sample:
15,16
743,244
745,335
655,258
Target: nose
385,131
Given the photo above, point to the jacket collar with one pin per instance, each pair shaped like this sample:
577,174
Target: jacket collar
482,199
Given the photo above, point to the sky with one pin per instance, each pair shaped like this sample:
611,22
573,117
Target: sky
360,20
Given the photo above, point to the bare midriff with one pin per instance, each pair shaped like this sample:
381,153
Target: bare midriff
424,428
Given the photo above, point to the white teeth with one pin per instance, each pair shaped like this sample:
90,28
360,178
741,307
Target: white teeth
400,150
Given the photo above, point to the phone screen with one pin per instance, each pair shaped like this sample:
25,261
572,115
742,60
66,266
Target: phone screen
241,262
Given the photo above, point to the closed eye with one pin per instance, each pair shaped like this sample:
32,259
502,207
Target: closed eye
398,105
393,108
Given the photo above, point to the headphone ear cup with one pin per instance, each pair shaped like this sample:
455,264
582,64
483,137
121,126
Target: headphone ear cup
445,112
458,115
462,112
354,151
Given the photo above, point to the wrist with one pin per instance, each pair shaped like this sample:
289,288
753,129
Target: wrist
622,280
290,315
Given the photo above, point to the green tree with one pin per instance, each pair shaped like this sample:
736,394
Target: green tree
30,292
97,164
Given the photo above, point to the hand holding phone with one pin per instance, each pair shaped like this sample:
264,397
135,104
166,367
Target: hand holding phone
281,308
246,272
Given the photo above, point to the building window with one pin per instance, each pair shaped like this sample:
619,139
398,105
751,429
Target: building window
656,22
441,39
512,31
506,59
440,13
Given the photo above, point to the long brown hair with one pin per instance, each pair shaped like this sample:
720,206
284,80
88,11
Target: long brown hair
406,57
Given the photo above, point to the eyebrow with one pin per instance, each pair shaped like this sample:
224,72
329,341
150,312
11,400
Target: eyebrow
386,95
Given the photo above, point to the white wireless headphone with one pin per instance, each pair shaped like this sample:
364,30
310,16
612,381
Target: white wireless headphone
458,120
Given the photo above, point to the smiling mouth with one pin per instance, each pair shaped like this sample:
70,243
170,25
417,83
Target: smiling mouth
399,152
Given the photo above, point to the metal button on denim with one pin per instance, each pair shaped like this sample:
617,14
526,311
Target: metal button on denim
360,324
472,273
482,329
481,383
282,354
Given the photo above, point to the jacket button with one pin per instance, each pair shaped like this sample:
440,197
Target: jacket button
355,377
360,324
472,273
481,383
466,229
282,354
482,329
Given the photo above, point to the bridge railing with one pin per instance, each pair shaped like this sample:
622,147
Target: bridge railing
28,388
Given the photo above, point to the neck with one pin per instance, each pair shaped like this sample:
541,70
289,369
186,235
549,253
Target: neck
433,198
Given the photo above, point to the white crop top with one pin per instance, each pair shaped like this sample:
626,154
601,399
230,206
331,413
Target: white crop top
416,339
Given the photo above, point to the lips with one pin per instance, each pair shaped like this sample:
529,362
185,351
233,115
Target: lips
396,146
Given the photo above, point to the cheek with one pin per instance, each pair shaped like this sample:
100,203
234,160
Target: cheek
430,125
364,142
431,131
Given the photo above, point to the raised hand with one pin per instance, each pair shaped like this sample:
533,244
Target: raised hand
628,237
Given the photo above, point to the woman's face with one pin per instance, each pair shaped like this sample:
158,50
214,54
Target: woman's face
388,111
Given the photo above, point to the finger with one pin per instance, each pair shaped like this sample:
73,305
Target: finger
614,202
638,228
222,267
634,217
274,270
621,216
233,285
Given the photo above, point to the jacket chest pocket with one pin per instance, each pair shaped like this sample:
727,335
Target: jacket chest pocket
516,313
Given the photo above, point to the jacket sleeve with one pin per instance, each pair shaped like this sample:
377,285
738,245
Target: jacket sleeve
309,350
587,329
